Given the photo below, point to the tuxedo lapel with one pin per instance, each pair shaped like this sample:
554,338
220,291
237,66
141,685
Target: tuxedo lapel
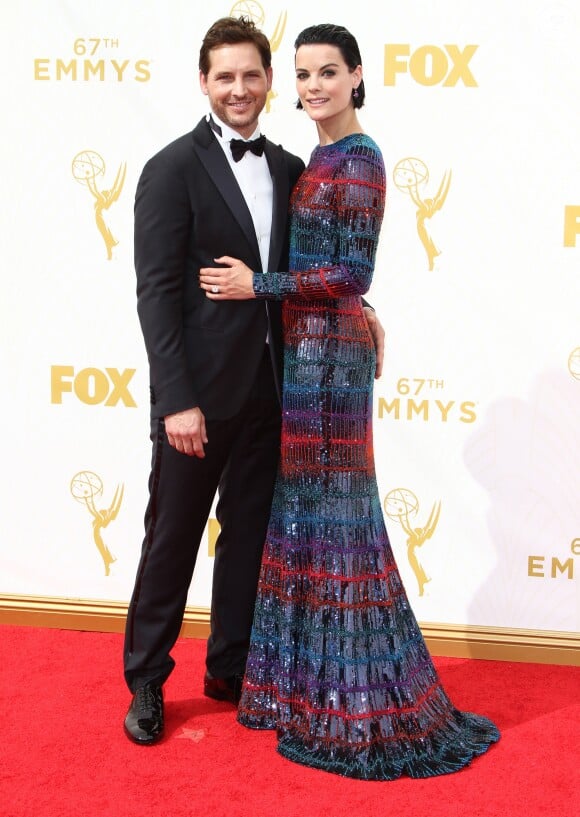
211,155
280,194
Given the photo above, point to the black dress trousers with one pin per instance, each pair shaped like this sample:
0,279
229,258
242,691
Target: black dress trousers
241,461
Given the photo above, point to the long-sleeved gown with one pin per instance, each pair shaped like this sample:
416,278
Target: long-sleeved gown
337,663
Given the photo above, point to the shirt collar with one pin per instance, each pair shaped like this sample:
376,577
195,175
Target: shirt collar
228,133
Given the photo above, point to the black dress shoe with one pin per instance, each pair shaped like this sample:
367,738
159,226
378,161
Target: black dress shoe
144,721
223,689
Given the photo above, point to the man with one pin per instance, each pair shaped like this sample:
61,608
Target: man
215,370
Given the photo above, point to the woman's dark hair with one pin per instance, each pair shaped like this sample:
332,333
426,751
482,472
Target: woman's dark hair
330,34
231,31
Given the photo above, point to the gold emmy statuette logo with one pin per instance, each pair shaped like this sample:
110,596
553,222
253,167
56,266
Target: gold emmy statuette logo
87,166
255,12
87,487
574,363
408,174
400,504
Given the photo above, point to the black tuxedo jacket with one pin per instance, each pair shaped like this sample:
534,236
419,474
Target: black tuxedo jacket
188,211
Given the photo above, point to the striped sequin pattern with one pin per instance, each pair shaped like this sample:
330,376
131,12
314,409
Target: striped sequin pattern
337,663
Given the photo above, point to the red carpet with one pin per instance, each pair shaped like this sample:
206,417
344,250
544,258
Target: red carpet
63,751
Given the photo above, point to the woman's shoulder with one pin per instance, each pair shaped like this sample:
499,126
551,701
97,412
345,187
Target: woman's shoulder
361,149
363,143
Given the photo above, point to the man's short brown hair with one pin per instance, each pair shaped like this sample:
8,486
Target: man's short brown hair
231,31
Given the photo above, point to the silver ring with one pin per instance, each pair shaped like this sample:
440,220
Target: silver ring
215,289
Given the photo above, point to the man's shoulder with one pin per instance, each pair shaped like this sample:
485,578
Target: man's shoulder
181,148
295,164
291,159
174,149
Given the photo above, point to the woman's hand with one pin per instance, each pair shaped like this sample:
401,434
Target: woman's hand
231,282
378,335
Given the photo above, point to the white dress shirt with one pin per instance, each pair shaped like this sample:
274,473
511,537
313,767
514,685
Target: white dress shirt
253,177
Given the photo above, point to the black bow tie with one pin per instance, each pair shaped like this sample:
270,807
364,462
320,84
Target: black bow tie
239,147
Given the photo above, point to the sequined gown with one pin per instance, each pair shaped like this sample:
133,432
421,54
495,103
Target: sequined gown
337,664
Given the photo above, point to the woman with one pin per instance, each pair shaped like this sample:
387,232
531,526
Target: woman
337,663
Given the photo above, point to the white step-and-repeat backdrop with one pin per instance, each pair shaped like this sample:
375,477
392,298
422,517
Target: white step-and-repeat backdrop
477,418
